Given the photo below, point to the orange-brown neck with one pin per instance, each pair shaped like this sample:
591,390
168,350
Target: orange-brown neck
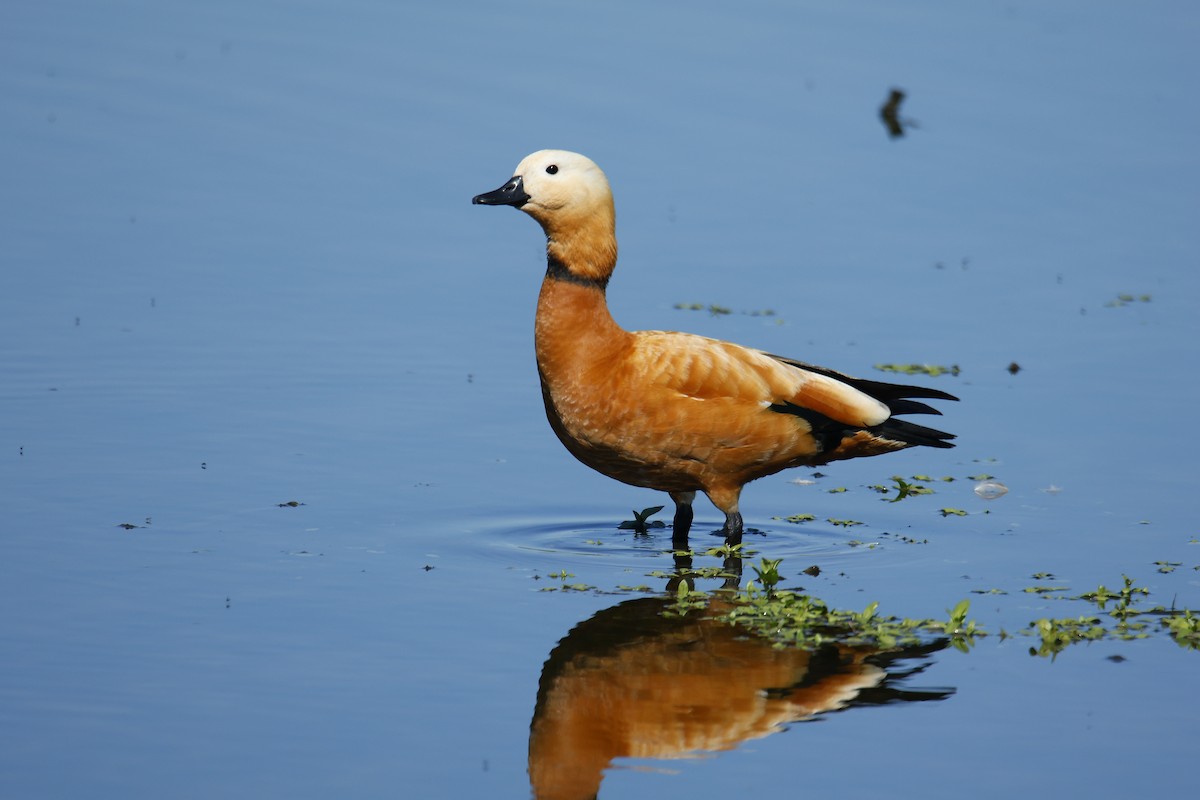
588,258
574,331
582,241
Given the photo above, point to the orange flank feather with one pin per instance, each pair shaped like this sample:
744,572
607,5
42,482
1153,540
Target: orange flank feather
673,411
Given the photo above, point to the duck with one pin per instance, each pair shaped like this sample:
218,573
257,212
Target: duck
677,412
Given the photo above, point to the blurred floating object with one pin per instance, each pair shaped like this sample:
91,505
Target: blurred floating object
1014,368
1125,299
990,490
1052,489
889,112
802,481
932,370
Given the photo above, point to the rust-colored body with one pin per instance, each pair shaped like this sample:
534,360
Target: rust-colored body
673,411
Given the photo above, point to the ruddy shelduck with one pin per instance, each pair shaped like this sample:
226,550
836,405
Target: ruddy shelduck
673,411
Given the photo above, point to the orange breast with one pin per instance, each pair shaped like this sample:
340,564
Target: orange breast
671,411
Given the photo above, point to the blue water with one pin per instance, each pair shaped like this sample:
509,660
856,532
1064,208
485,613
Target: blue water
240,268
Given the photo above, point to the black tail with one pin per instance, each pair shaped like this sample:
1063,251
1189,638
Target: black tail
899,430
897,397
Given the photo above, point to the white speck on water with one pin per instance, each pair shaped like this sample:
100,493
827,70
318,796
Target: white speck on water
990,490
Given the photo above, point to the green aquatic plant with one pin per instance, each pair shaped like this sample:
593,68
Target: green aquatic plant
933,370
699,572
796,519
1184,628
1044,590
768,572
1127,619
1057,634
905,489
1124,299
717,310
726,550
686,600
1124,597
958,617
961,630
952,512
790,618
564,576
712,308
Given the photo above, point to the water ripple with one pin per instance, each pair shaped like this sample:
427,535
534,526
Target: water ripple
599,543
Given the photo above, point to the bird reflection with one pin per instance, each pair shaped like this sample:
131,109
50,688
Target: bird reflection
632,682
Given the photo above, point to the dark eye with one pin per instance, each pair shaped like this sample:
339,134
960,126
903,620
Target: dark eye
552,169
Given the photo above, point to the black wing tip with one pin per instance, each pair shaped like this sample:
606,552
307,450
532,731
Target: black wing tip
900,430
925,393
906,406
880,390
829,433
900,398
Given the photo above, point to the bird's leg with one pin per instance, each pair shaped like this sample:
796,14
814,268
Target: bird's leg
733,569
683,575
733,527
727,501
683,519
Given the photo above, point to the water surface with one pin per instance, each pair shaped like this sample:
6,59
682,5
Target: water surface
240,270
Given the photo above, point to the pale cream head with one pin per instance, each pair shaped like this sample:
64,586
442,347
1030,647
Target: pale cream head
569,196
562,182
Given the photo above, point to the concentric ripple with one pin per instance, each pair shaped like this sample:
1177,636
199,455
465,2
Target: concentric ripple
599,546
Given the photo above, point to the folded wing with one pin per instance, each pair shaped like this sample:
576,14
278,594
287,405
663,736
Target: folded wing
836,407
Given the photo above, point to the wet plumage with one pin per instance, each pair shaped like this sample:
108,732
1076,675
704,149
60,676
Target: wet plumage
673,411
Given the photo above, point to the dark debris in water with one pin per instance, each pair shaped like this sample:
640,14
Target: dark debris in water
889,112
641,522
721,311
